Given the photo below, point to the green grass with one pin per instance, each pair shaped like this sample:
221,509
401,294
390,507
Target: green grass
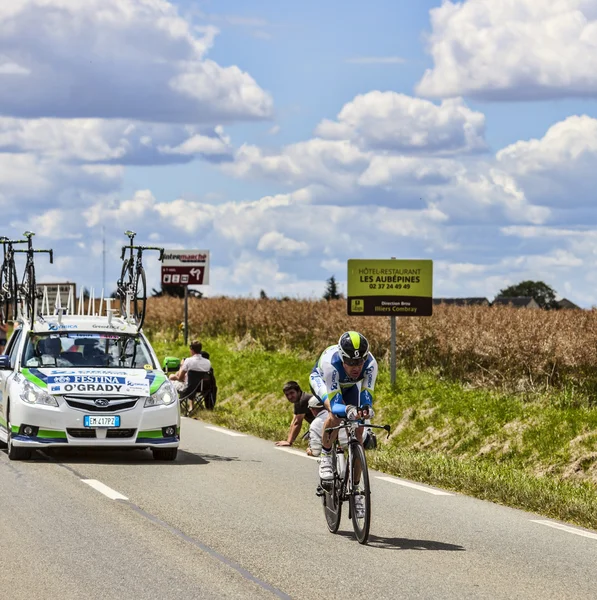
538,454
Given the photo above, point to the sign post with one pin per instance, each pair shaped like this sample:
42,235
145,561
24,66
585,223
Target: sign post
394,288
185,268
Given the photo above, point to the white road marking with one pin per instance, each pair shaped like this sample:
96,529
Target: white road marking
104,489
567,529
225,431
297,452
415,486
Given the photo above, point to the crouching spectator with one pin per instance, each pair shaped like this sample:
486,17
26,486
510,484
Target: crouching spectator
293,392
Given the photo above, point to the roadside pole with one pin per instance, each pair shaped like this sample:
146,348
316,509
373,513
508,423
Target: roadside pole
393,347
186,315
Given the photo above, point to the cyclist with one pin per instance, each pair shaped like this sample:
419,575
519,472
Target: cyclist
343,379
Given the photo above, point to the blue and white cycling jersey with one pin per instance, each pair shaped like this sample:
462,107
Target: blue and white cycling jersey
329,381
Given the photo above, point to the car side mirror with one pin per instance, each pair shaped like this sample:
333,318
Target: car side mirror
5,362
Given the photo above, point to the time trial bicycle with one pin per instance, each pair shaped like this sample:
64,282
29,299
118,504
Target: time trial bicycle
351,479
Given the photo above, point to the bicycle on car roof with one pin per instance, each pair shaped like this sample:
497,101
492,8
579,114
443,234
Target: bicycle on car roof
132,285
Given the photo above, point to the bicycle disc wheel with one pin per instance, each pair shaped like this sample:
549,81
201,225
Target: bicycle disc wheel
140,298
332,506
360,522
123,285
332,500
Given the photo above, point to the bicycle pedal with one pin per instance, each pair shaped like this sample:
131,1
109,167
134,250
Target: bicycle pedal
319,492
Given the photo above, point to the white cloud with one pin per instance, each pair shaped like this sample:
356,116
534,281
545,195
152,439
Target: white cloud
317,161
512,49
276,242
400,123
560,168
112,141
129,59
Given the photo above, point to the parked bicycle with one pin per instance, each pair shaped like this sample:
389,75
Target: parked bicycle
351,479
27,291
8,280
132,283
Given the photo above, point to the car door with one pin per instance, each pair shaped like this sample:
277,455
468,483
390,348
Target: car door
6,375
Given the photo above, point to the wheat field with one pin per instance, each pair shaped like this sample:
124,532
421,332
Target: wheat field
503,347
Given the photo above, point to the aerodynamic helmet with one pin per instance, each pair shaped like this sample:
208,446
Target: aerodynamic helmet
353,348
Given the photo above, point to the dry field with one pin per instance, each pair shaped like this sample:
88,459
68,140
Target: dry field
502,347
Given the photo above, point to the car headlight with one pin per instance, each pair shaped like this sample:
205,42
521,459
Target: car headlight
34,395
166,395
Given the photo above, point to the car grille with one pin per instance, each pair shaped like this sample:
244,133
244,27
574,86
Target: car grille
87,404
90,433
80,433
120,433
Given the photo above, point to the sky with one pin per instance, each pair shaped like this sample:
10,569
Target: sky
289,138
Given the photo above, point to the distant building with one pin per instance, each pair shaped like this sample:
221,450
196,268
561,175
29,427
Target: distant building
566,304
462,301
516,301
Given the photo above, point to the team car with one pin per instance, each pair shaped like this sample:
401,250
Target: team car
85,381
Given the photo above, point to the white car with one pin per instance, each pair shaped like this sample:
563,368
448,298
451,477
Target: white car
85,381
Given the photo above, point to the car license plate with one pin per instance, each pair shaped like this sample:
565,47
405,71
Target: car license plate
101,421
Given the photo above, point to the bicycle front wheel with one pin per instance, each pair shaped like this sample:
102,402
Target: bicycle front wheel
140,297
361,511
29,292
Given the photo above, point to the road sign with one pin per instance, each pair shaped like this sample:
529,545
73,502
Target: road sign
185,267
390,288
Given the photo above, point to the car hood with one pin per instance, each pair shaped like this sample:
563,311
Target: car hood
90,382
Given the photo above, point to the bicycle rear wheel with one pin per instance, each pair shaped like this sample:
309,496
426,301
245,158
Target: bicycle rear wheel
332,500
124,284
140,297
360,521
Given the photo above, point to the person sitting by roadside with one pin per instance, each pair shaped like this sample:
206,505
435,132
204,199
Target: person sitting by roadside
195,362
293,392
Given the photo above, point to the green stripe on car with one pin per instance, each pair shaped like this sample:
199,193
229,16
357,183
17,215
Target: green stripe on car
157,383
48,433
33,379
153,433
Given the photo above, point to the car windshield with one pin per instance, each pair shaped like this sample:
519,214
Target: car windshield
87,349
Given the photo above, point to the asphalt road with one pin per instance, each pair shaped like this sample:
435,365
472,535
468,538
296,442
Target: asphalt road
235,517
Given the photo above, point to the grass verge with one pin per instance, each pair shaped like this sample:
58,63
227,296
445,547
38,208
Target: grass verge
538,455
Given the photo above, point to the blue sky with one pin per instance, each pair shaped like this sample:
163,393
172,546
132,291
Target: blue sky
287,138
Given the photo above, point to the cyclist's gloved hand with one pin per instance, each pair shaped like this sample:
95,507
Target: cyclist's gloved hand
366,412
351,412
